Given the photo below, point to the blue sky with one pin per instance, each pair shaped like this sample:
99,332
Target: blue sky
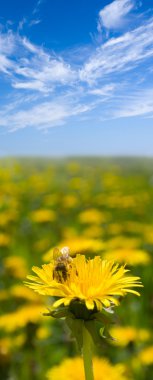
76,77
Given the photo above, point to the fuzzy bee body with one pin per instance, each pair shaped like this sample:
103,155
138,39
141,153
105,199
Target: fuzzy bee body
62,264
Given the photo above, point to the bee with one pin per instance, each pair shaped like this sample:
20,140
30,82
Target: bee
62,262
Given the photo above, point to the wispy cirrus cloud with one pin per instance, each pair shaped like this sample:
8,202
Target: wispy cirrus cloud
140,104
113,15
42,115
34,22
37,6
51,89
120,54
30,66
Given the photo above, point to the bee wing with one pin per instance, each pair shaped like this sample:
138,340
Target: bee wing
65,251
56,253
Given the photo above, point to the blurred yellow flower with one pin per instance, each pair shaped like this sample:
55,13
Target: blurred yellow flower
93,231
70,201
68,231
43,216
133,226
127,334
148,233
76,183
50,199
16,266
3,295
114,228
73,167
42,332
42,245
95,282
4,240
72,369
20,291
121,241
91,216
146,356
128,256
7,217
7,344
20,317
119,200
37,182
78,245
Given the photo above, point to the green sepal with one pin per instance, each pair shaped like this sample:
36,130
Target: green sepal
101,331
76,328
104,317
106,335
61,312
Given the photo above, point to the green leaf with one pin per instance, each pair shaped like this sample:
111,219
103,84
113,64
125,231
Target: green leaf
94,328
107,335
76,328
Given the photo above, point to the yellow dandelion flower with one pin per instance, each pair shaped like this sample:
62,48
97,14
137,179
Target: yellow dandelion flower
16,266
43,216
21,317
79,245
93,231
148,233
129,256
7,217
7,344
42,333
20,291
127,334
92,216
3,295
94,282
115,228
4,240
146,355
121,241
70,201
102,369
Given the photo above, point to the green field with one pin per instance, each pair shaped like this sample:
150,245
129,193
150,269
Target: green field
95,206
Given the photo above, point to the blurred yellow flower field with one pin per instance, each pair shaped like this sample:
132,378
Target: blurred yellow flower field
96,207
102,368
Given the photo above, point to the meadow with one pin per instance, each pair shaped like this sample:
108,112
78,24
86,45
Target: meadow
95,206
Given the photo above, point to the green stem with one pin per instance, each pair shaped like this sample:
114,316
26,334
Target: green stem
87,355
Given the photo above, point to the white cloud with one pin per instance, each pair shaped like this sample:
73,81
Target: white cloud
51,88
32,85
5,64
141,104
7,43
103,91
34,22
30,66
22,23
112,16
119,54
37,6
43,116
7,47
29,46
